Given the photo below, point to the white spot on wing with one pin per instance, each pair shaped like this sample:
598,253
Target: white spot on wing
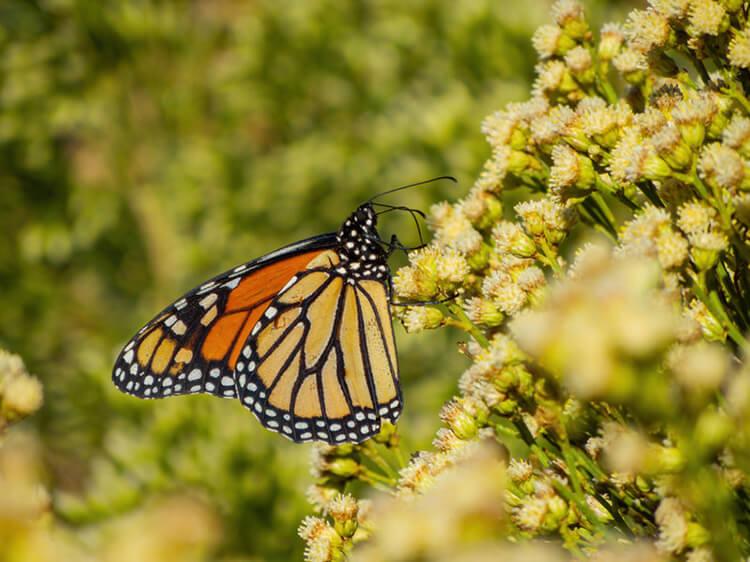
208,300
232,284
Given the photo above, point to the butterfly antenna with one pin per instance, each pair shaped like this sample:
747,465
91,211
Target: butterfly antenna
439,178
412,212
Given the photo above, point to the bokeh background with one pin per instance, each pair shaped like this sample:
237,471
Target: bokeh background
147,145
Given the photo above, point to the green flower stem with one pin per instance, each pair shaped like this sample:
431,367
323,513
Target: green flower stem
625,201
372,477
602,204
594,222
740,246
589,517
605,87
734,332
589,464
734,92
649,191
371,452
549,258
626,523
714,197
713,303
690,180
501,429
578,494
463,322
738,304
701,68
399,457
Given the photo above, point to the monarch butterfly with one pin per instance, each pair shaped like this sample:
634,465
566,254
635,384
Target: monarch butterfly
302,336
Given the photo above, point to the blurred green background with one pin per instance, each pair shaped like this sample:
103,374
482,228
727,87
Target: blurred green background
147,145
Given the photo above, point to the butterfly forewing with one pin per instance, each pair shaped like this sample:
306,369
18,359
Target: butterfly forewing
195,343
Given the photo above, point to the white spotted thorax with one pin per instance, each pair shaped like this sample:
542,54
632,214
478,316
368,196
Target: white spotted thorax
361,253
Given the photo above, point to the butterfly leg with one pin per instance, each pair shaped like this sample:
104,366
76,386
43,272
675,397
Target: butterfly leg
396,245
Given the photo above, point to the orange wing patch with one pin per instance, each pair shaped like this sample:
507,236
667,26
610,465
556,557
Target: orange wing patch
245,306
222,334
266,282
196,343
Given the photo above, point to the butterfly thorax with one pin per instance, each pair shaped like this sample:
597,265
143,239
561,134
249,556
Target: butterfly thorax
360,250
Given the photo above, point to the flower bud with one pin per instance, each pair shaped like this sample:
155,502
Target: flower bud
706,249
610,43
479,259
710,326
419,318
632,65
20,396
484,312
343,509
580,63
696,535
506,407
713,429
346,467
459,420
665,459
387,435
671,148
510,238
569,16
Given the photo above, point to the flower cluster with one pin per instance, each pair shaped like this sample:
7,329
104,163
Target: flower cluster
606,310
20,392
171,527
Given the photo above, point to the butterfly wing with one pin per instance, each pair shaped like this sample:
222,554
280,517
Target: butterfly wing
321,363
194,344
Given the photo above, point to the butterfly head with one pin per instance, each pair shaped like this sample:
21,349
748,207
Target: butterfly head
360,247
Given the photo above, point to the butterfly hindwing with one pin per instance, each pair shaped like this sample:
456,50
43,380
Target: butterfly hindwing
321,362
195,343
